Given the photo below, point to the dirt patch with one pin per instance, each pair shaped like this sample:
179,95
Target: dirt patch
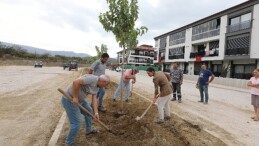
127,131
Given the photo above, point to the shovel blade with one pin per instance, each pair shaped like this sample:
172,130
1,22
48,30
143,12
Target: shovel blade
138,118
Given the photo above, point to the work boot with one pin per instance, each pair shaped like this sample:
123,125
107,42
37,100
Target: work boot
159,121
167,118
179,100
127,100
102,109
174,99
114,100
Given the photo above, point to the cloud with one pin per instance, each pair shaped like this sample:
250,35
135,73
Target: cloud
73,25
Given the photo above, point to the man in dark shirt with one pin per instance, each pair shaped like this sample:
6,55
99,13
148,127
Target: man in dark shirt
177,81
203,83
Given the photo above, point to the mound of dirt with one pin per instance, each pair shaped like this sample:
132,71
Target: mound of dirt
127,131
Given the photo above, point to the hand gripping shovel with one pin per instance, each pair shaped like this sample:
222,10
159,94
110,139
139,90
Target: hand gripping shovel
83,109
138,118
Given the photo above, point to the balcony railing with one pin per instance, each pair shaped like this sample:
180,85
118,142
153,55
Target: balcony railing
138,54
176,42
237,51
207,34
145,61
239,26
179,56
210,53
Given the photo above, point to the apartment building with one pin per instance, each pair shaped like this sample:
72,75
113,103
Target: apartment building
227,42
140,56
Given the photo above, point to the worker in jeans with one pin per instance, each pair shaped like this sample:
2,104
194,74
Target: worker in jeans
177,81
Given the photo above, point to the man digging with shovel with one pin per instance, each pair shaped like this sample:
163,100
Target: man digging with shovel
161,80
79,89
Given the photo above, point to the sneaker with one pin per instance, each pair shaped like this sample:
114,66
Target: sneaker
72,144
94,131
102,109
174,99
167,118
179,100
114,100
159,121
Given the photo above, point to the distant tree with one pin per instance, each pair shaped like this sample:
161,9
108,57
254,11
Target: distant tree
99,51
120,20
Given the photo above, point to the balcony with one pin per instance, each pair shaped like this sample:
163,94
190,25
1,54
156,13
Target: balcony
176,42
210,53
237,51
211,33
179,56
239,26
145,55
141,61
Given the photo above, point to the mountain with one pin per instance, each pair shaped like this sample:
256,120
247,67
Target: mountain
53,53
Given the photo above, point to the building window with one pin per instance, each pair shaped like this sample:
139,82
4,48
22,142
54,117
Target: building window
243,71
163,43
155,55
238,45
240,22
214,48
177,38
176,53
206,30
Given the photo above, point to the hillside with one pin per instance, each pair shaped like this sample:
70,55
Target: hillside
40,51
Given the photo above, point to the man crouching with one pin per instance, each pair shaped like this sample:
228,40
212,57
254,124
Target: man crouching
161,80
79,89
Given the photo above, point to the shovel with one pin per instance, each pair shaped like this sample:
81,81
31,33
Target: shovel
83,109
138,118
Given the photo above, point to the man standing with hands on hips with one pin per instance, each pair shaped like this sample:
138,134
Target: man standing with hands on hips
203,83
98,69
177,81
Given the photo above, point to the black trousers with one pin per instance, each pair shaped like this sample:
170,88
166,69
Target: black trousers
176,88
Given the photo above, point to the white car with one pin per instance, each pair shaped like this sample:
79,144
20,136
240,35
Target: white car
118,69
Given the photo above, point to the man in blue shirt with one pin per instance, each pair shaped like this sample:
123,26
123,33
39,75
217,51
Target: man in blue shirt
203,83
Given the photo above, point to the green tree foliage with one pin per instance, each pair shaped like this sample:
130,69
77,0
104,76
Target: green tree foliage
120,20
99,51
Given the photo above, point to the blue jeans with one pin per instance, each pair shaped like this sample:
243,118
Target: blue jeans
100,95
74,117
204,89
127,86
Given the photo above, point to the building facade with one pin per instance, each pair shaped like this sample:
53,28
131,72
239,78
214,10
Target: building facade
140,56
226,42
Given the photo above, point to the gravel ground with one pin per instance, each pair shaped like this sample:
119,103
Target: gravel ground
30,104
227,115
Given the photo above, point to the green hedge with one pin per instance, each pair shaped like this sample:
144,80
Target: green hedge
144,68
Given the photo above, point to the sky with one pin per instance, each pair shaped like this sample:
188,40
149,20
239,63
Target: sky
73,25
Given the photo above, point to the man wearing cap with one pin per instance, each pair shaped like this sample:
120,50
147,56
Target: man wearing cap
177,81
79,89
98,68
127,76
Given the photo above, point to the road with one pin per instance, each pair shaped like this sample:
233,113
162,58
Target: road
30,104
227,116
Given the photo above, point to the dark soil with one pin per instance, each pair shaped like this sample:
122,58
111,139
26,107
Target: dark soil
127,131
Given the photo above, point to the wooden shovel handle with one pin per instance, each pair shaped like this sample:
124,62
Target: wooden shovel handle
82,108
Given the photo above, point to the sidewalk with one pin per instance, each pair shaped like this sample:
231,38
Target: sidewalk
227,115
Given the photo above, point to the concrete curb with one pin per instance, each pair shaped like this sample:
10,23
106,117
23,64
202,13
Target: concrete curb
54,138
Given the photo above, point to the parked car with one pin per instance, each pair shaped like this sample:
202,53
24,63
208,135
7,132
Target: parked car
65,65
38,63
118,69
73,65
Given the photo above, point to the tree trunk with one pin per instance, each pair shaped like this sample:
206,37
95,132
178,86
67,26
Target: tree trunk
122,83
